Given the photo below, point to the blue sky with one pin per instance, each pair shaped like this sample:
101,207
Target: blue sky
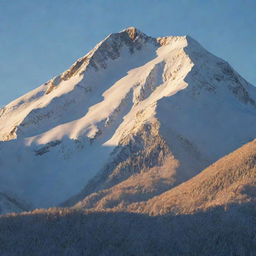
41,38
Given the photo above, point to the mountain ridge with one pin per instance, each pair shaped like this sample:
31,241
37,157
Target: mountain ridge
106,106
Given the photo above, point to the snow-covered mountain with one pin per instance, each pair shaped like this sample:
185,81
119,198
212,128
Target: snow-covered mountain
137,112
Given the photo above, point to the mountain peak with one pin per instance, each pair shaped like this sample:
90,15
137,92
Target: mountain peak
132,32
128,95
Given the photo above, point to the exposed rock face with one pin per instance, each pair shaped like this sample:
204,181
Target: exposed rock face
142,166
140,161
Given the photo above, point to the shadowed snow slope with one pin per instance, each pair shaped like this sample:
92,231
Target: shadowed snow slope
10,204
156,109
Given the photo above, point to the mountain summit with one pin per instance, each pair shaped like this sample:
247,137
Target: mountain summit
137,114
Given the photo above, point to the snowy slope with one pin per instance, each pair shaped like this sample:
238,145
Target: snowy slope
8,203
80,124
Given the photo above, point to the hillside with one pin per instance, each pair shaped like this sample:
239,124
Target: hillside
211,214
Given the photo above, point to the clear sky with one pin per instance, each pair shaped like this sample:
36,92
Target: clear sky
41,38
